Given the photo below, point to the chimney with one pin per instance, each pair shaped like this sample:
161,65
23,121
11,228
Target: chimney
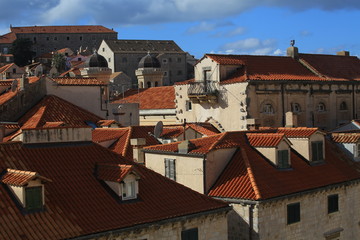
343,53
24,81
252,123
137,145
290,119
292,51
185,147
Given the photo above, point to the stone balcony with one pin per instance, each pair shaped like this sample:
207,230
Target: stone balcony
205,91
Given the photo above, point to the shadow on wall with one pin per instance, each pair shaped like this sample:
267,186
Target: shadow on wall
238,228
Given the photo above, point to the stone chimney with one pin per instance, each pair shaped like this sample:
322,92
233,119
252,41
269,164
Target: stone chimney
24,81
343,53
185,147
292,51
290,119
253,123
137,145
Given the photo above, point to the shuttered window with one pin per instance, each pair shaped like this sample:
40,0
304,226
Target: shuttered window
283,159
33,198
170,170
317,151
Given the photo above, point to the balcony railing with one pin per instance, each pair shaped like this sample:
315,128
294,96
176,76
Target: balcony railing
203,91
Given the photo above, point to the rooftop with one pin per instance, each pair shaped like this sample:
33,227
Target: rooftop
143,46
62,29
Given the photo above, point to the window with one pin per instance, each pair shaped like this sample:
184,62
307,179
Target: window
293,213
343,106
79,59
165,74
165,60
55,38
33,198
148,84
47,38
129,191
156,84
109,60
5,50
179,60
188,105
283,159
333,203
81,38
321,107
207,75
14,70
124,59
68,38
317,151
295,107
34,39
268,109
179,72
190,234
170,171
103,49
170,60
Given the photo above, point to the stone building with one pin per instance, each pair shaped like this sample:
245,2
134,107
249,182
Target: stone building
285,183
51,38
125,55
239,91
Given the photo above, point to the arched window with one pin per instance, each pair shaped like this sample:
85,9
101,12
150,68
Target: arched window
268,109
156,84
343,106
148,84
295,107
321,107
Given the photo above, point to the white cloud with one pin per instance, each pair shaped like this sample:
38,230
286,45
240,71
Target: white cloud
251,46
206,27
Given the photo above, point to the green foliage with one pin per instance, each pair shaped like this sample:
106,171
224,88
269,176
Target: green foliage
59,62
21,49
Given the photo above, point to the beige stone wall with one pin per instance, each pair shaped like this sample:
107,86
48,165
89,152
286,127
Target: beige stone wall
210,227
105,51
189,170
303,145
243,222
271,152
314,218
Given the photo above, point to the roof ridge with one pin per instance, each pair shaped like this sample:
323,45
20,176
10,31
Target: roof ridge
127,142
250,174
216,142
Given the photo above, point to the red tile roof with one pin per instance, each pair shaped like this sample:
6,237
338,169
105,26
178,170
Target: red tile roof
298,132
104,123
264,68
8,38
250,176
113,172
21,178
201,146
6,83
62,29
10,94
204,128
6,67
265,139
78,204
151,98
52,109
185,82
68,81
333,67
345,137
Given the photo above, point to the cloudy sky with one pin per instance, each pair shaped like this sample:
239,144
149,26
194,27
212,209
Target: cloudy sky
206,26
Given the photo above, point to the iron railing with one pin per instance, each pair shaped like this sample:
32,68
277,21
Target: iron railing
203,88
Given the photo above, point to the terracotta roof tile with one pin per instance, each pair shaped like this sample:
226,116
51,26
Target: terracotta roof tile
62,29
20,178
113,172
8,38
334,67
185,82
104,123
151,98
298,132
265,139
52,109
77,204
6,67
264,68
250,176
6,82
8,95
345,137
68,81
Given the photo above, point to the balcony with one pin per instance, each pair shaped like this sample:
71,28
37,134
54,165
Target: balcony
206,91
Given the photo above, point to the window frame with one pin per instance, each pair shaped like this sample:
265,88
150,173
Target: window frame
321,107
333,203
293,213
268,108
343,106
316,155
170,168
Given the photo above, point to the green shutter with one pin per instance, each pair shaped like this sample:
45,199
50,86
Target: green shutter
283,159
33,198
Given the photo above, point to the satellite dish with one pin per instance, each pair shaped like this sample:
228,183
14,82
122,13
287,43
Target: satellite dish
14,85
158,129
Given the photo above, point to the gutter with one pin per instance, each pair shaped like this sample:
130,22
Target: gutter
151,224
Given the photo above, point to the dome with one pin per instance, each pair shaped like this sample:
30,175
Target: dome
149,62
96,60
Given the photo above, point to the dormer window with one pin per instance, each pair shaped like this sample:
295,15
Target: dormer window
122,179
283,159
317,151
27,187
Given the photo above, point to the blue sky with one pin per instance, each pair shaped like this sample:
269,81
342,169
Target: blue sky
263,27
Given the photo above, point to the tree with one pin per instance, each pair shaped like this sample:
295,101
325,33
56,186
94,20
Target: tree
21,49
59,62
